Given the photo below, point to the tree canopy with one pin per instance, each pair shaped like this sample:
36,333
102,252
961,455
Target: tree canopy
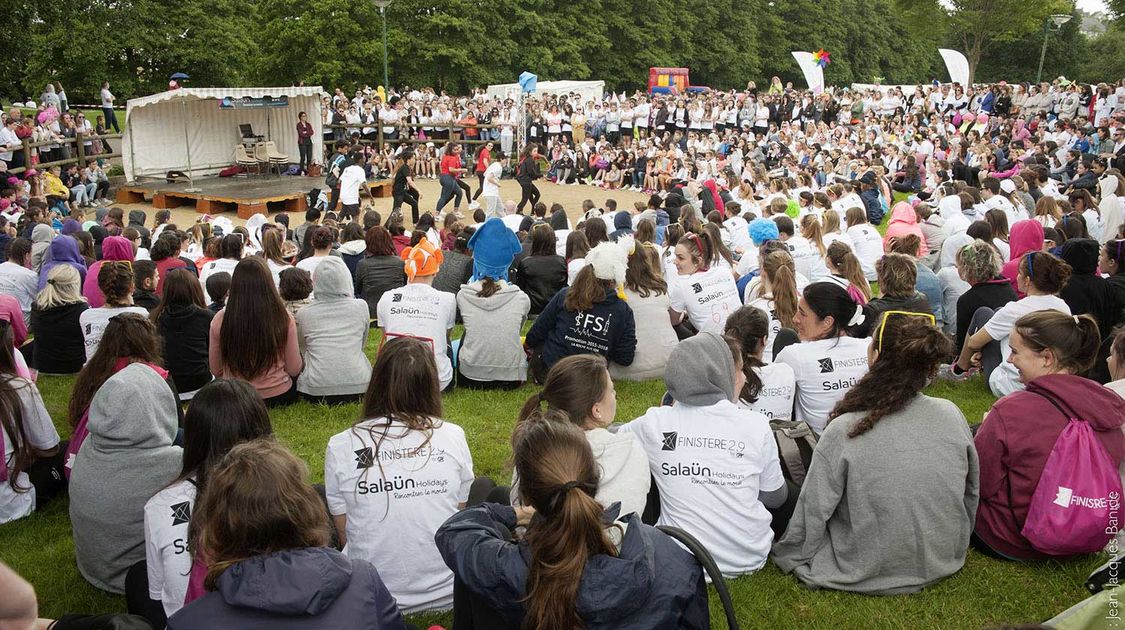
460,44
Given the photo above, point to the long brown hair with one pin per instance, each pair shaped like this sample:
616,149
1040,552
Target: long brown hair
645,275
258,501
559,478
573,386
718,249
255,324
781,271
272,241
11,409
749,326
128,335
586,291
845,261
181,288
910,349
814,232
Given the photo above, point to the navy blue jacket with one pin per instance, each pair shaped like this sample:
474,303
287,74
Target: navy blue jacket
309,588
607,329
870,199
652,583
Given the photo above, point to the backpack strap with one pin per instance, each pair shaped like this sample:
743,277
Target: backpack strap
1056,405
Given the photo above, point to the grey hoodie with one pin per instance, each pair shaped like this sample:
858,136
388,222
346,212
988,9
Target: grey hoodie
700,371
491,349
332,331
127,458
41,236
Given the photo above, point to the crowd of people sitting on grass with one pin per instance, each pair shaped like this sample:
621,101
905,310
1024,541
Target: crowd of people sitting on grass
769,309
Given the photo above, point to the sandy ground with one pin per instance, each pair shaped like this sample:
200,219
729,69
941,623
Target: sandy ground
571,197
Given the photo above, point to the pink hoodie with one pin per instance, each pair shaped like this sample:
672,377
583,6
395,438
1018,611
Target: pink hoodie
904,221
1025,236
113,248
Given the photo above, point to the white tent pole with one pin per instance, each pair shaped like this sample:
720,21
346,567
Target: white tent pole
187,145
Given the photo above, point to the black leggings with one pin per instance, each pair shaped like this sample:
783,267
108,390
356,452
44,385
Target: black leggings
480,186
530,193
137,600
410,198
46,476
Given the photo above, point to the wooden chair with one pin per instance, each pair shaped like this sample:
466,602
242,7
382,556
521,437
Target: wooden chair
243,159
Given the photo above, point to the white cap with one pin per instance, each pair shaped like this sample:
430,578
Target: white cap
1008,186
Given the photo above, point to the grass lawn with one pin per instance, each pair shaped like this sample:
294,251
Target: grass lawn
985,592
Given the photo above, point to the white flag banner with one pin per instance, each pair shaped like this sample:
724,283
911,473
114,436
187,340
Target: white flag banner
957,65
814,74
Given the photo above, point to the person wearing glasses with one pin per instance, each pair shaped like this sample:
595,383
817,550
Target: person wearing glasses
851,530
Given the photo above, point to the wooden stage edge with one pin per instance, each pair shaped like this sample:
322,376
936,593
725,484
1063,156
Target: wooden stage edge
215,202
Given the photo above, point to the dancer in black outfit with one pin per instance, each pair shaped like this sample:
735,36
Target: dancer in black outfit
526,175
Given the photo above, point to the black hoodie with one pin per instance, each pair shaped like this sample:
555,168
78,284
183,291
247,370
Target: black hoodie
1086,292
184,332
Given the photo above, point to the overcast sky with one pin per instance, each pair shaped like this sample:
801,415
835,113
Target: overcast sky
1091,6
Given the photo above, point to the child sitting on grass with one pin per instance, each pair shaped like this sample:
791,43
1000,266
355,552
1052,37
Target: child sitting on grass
296,287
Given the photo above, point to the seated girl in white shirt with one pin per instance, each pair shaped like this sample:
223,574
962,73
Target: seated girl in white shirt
396,475
769,387
580,387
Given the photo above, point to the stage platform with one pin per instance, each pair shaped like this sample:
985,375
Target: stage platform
246,196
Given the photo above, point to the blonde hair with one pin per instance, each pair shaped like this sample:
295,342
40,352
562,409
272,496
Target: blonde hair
62,288
812,230
779,270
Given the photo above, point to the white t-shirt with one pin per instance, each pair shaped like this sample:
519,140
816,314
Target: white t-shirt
572,268
512,222
740,239
807,258
708,297
395,505
94,321
311,263
167,515
19,282
779,386
219,265
421,311
350,180
41,435
825,370
766,303
868,247
494,170
710,464
1005,379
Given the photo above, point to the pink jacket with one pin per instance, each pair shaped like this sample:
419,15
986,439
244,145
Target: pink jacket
113,248
904,221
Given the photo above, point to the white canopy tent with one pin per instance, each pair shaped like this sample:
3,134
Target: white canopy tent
588,90
163,128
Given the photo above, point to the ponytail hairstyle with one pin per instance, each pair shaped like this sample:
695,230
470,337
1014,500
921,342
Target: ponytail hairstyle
1073,339
1045,272
910,348
821,200
845,261
573,386
559,478
11,409
718,249
828,299
811,229
699,248
115,279
64,286
780,271
749,327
